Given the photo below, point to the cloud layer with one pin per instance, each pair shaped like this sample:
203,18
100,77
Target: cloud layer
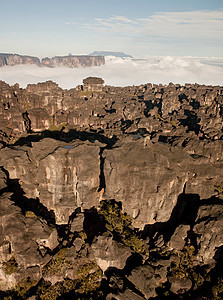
119,72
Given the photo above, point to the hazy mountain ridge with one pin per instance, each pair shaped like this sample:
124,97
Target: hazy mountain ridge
111,53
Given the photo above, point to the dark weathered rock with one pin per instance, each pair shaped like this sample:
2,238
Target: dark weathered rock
177,240
77,223
63,177
180,285
209,231
109,253
145,280
21,239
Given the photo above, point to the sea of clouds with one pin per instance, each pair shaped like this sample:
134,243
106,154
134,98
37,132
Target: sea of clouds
124,72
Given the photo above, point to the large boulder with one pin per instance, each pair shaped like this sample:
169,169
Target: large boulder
209,231
109,253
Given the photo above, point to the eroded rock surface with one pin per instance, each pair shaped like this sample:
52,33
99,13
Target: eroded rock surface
111,193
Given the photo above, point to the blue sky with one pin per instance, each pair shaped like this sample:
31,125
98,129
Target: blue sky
140,27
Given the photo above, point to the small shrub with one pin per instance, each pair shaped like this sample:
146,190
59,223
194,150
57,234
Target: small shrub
24,286
219,189
30,214
57,263
185,267
89,278
10,266
121,224
217,290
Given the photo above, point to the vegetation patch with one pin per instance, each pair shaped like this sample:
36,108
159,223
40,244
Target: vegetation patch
89,278
24,286
47,291
10,266
30,214
56,264
121,224
88,282
54,127
217,290
219,189
186,269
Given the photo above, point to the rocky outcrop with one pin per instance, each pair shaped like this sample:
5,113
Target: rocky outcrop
111,194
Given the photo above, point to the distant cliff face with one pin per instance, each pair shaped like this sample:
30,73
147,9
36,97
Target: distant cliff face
15,59
57,61
73,61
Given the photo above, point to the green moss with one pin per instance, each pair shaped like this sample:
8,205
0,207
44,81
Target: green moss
219,189
24,286
57,263
88,281
54,127
10,266
89,277
159,117
185,268
173,123
8,298
46,291
121,224
30,214
217,290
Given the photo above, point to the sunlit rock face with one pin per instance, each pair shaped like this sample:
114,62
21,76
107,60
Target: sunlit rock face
62,176
148,178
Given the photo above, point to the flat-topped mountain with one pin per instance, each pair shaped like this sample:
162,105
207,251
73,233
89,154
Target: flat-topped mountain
111,53
70,61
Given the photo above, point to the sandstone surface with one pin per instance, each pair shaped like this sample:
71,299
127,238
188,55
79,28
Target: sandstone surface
111,193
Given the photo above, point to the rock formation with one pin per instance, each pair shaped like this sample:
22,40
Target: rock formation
70,61
73,61
111,193
7,59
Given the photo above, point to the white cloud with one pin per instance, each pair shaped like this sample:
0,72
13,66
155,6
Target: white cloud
184,25
121,72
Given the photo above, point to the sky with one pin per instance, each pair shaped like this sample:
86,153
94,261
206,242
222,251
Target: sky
137,27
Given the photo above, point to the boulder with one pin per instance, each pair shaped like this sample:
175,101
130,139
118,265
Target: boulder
109,253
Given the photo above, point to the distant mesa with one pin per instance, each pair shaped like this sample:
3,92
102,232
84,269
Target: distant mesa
70,61
111,53
8,59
